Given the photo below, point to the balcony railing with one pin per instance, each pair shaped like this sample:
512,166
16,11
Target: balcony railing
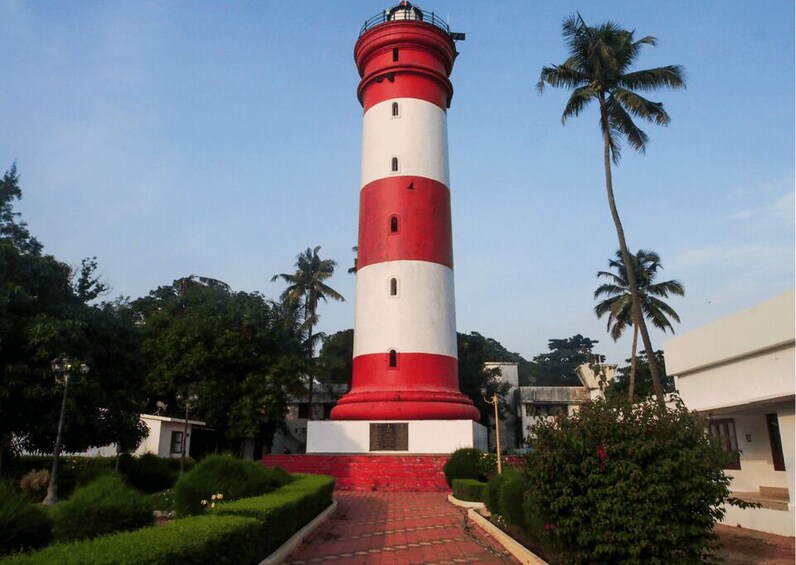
405,13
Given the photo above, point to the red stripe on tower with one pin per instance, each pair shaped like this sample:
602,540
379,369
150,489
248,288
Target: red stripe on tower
405,359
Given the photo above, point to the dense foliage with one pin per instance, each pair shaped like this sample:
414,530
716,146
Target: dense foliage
221,474
107,505
625,483
234,352
47,309
23,525
557,366
643,380
463,463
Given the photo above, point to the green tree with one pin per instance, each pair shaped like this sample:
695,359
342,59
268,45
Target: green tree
336,359
643,379
598,68
558,366
233,350
618,301
475,381
306,287
44,314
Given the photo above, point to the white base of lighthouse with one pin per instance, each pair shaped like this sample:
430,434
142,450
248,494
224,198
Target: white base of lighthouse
404,437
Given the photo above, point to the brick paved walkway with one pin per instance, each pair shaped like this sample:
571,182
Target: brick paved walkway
397,528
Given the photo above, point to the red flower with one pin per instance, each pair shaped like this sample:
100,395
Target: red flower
602,455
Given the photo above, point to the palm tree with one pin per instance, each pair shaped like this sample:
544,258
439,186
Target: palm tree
618,301
598,68
306,288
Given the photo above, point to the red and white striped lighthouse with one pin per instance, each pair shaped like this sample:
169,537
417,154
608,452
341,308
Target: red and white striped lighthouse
405,358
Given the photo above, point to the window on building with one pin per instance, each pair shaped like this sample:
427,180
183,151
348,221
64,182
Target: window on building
724,430
777,455
394,164
395,109
393,287
545,409
394,224
176,442
393,359
395,55
303,411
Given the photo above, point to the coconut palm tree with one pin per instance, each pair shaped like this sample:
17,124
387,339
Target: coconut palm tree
618,301
598,69
306,288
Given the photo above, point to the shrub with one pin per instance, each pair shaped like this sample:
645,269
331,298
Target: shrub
244,531
492,493
106,505
462,464
625,483
234,478
470,490
23,525
34,484
512,495
149,473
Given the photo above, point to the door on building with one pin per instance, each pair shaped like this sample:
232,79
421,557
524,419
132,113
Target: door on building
777,456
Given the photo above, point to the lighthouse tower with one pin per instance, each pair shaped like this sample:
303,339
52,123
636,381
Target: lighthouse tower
405,357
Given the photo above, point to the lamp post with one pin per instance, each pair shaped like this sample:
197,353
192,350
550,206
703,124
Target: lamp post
188,401
494,400
63,367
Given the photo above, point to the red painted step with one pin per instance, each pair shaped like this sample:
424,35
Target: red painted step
397,473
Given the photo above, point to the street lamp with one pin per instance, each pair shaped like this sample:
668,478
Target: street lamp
494,400
63,367
188,401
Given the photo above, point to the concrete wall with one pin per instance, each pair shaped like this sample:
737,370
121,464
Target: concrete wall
425,436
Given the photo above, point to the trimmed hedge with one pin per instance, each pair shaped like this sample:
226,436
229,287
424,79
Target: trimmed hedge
234,478
463,464
470,490
245,531
492,493
105,506
198,540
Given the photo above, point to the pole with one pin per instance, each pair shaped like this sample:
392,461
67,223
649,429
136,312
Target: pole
52,487
497,433
184,438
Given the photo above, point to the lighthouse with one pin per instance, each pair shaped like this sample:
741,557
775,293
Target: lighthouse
405,389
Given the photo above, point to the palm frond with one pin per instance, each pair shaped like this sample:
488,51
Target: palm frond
641,107
623,123
578,100
564,75
671,76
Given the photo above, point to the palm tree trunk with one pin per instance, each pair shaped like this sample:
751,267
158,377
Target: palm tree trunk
631,279
310,351
633,363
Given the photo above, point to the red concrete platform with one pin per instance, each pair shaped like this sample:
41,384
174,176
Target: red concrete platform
397,528
406,473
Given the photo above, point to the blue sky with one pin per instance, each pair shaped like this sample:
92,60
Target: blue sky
223,138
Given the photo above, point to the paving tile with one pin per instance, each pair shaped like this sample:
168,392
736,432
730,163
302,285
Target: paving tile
389,528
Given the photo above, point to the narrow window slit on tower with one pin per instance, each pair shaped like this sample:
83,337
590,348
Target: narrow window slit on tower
394,164
393,358
394,224
395,55
395,109
393,287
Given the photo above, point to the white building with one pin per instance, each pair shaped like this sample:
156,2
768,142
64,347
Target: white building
529,405
164,439
739,372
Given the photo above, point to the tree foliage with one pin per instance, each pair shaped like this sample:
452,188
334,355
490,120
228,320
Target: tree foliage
643,379
336,358
237,352
557,367
621,483
44,314
618,301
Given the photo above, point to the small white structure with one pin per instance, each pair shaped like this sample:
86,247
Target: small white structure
166,435
739,372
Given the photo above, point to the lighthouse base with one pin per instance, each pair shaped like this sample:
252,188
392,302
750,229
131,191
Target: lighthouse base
394,437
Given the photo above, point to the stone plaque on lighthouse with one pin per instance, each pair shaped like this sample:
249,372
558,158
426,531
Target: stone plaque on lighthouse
405,367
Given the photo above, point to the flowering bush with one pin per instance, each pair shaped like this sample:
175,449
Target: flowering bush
625,483
216,498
